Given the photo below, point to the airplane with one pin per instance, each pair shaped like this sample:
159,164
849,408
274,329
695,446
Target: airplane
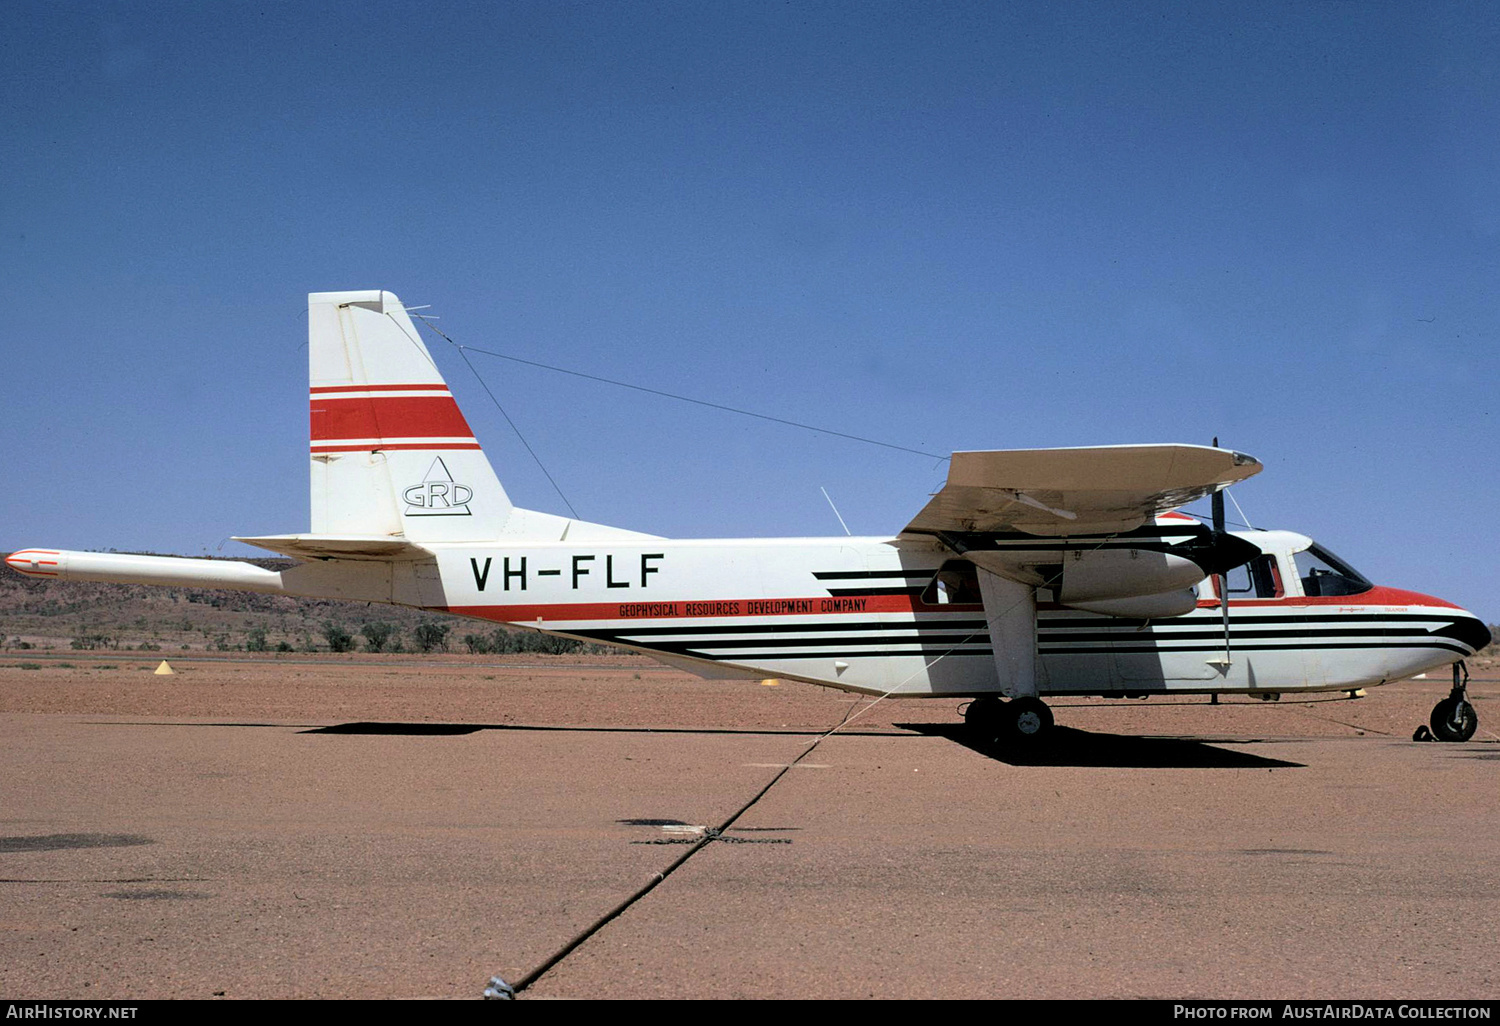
1030,574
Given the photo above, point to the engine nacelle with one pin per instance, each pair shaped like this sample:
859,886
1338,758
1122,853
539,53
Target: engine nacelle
1093,575
1144,607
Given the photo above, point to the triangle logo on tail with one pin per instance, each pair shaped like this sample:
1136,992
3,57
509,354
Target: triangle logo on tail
438,495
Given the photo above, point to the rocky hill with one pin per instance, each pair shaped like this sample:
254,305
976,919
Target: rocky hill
71,615
78,615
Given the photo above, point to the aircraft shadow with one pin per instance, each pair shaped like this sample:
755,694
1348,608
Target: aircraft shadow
1067,747
451,729
1070,747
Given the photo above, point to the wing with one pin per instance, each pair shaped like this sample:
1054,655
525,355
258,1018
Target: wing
1057,492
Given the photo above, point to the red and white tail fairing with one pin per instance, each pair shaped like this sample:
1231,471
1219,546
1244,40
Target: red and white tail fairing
382,416
1036,572
394,464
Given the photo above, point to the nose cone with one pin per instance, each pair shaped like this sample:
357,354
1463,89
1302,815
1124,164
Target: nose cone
1447,620
1468,630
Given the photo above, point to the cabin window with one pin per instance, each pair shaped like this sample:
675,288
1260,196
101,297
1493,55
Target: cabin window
1255,579
1323,573
955,584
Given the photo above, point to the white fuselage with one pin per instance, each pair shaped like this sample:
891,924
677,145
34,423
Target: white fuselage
850,613
866,614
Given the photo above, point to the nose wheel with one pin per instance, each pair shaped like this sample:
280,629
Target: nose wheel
1021,721
1454,719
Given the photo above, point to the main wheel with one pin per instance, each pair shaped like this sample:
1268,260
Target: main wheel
1453,719
1027,720
983,716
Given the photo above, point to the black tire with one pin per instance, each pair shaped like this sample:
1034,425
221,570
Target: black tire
983,715
985,721
1453,719
1027,721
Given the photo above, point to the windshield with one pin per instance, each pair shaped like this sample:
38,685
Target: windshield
1323,573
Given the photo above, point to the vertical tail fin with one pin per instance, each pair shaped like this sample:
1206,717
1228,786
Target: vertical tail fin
391,453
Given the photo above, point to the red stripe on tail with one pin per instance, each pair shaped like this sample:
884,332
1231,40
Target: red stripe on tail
387,417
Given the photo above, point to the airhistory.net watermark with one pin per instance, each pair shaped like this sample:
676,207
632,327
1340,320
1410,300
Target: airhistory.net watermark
55,1010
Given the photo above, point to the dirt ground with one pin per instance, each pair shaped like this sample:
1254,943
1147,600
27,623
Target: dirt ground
635,691
380,827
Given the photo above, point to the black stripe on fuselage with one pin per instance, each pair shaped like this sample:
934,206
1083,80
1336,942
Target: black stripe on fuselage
1074,628
1235,632
959,632
1235,646
976,638
866,592
982,648
976,642
1054,621
791,628
873,575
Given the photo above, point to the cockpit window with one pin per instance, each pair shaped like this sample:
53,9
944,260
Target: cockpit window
1323,573
1255,579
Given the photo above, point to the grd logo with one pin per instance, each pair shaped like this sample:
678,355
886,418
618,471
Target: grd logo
438,495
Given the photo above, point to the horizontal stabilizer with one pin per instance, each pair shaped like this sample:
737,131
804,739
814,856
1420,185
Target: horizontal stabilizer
325,546
1057,492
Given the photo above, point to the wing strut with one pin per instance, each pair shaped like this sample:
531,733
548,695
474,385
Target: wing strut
1221,580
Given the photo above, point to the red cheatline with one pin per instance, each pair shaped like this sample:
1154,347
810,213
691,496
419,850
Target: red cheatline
1377,596
677,609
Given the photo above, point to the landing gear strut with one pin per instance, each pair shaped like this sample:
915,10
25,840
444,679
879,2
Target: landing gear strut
1454,719
1021,721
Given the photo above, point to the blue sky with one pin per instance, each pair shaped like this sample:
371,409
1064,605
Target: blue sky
949,226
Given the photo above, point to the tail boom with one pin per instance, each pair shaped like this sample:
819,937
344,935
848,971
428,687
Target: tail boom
409,582
128,568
